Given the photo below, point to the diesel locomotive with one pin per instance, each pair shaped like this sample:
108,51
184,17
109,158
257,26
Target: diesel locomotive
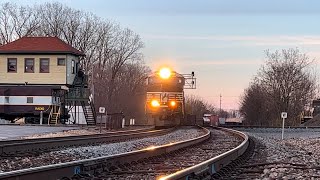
165,96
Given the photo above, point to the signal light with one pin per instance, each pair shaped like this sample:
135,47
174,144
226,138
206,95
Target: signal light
155,103
165,73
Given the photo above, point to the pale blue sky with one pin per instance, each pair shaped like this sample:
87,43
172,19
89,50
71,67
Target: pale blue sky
222,41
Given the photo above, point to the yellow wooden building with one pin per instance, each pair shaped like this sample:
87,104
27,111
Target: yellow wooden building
41,74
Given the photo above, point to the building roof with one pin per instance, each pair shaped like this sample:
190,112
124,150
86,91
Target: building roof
39,45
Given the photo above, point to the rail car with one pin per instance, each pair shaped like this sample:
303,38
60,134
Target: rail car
210,120
29,101
165,97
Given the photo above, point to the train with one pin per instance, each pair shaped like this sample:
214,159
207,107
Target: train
29,101
165,96
211,120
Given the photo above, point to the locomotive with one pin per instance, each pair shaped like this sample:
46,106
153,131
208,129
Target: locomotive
165,96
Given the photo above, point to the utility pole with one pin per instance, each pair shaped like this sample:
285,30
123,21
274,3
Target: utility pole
220,104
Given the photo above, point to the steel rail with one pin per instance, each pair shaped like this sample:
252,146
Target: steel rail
268,127
45,144
213,165
12,141
93,165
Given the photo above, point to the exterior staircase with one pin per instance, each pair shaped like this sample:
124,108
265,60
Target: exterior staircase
54,115
79,93
89,113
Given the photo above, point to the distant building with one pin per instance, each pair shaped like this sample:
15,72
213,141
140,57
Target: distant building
40,74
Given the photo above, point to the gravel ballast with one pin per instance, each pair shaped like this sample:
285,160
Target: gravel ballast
295,157
72,154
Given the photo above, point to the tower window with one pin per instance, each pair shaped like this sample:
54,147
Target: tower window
12,65
61,61
44,65
29,65
72,67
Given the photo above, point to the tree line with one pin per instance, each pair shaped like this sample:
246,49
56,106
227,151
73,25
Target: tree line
114,60
285,83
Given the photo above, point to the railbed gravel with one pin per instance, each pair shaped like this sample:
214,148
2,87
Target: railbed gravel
78,132
295,157
78,153
156,167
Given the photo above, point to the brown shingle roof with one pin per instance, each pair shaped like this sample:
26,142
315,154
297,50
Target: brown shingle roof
39,45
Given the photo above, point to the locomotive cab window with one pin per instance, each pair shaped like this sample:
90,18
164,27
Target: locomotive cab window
29,99
6,99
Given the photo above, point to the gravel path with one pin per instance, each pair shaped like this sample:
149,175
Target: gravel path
71,154
295,157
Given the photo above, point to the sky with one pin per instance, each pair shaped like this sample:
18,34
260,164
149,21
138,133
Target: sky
222,41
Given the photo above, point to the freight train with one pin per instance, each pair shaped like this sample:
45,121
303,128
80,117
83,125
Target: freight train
165,96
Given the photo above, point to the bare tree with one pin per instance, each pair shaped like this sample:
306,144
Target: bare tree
113,54
254,105
197,106
16,22
284,83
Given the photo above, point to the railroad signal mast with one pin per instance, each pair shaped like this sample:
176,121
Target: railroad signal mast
190,81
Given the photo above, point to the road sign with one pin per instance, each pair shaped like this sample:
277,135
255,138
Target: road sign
284,115
102,110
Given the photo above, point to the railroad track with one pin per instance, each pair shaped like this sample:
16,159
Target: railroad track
14,148
268,127
161,166
208,168
189,158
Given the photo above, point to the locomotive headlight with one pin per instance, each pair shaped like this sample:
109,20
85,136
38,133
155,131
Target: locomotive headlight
155,103
165,73
173,103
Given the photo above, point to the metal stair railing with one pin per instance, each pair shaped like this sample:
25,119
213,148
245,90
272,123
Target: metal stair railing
58,115
84,109
50,115
93,111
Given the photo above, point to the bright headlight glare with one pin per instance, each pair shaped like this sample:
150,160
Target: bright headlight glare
155,103
172,103
165,73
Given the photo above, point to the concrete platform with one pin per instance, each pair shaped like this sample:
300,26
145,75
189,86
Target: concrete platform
8,132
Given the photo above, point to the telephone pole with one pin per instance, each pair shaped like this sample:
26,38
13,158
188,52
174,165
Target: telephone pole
220,104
